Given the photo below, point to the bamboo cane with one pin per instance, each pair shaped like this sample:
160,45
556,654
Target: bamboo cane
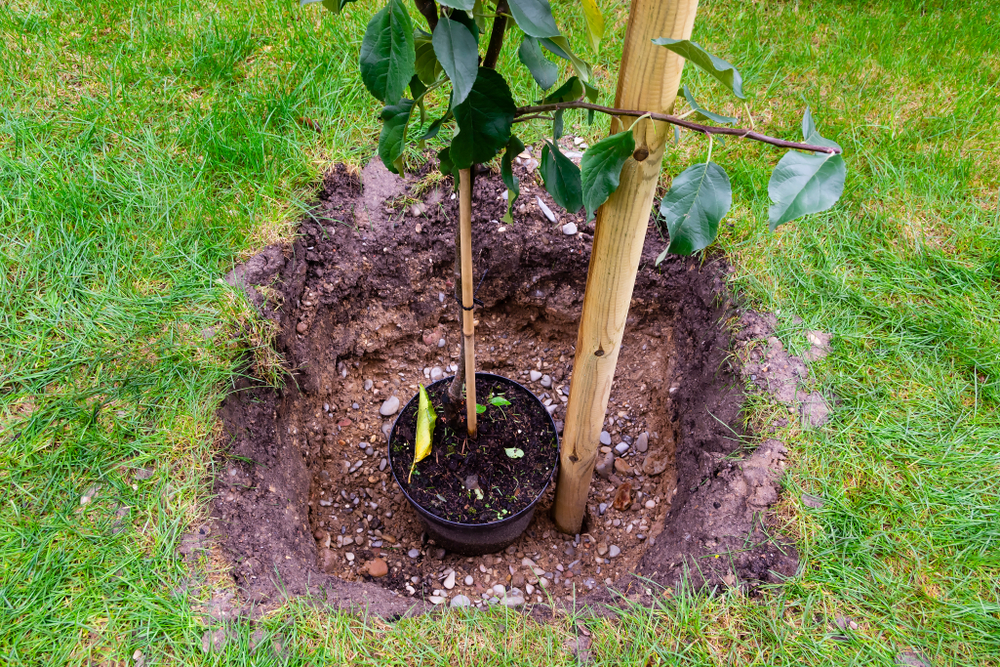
648,79
468,294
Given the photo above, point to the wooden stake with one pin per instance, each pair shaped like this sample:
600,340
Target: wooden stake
468,294
648,79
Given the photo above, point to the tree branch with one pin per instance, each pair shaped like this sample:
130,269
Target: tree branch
524,112
429,9
496,35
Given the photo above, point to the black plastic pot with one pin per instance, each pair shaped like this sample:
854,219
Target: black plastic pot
473,539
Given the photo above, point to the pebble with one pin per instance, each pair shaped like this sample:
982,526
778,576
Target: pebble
369,451
449,582
389,407
569,229
469,580
642,444
535,376
605,466
499,590
387,430
530,589
368,385
622,467
602,508
442,342
382,464
621,448
378,568
301,327
605,438
436,373
546,381
613,551
349,556
513,598
545,209
650,504
413,553
355,406
436,599
602,549
460,601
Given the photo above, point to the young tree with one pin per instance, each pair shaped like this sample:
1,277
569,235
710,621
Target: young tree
617,176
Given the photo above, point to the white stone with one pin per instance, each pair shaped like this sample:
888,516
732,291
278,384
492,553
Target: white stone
436,599
460,601
449,581
469,580
650,504
546,211
389,407
569,229
535,375
546,381
499,590
436,373
621,448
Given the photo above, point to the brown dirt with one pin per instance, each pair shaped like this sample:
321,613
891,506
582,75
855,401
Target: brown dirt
305,501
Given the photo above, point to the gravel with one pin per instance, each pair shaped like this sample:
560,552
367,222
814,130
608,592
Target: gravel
413,553
389,407
535,376
605,438
460,601
569,229
613,551
621,448
642,443
546,381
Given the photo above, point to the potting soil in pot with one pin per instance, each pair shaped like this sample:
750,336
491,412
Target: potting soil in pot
481,480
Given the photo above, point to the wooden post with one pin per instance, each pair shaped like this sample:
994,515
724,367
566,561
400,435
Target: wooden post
648,79
468,294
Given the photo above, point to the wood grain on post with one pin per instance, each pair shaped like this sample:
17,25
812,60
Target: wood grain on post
468,295
648,79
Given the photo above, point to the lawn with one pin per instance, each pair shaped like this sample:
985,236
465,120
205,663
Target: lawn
147,147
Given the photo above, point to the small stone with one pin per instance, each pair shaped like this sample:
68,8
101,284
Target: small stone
650,504
530,589
535,375
546,381
513,598
622,467
621,448
602,549
438,553
469,580
602,508
349,556
605,438
460,601
552,408
449,581
436,373
355,406
301,327
442,342
387,430
642,443
369,451
613,551
378,568
413,553
382,464
499,590
729,580
546,211
368,385
436,599
569,229
605,466
389,407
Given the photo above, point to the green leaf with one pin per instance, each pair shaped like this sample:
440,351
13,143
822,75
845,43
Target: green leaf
514,146
560,47
387,53
333,5
446,164
464,5
426,417
698,200
435,127
557,124
456,50
480,408
534,17
717,67
469,22
601,167
543,70
811,136
392,139
804,183
570,91
595,23
514,452
426,63
499,401
484,120
705,113
562,178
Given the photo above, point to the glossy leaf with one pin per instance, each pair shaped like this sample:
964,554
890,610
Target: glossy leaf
426,417
456,50
514,146
705,113
392,139
601,168
557,124
804,183
435,127
484,120
464,5
387,53
698,200
595,23
514,452
570,91
425,63
499,401
562,178
446,165
560,47
713,65
534,17
544,71
469,22
480,408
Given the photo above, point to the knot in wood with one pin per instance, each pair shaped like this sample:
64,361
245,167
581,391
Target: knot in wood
640,153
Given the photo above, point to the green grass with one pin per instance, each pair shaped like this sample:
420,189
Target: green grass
147,147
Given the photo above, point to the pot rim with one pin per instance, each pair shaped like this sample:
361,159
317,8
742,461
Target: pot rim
530,507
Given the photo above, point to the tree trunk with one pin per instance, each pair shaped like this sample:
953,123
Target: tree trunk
648,79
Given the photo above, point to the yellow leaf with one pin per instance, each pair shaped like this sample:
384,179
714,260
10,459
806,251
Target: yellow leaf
426,417
595,23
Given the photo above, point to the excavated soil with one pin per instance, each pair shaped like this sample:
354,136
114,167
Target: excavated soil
305,502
